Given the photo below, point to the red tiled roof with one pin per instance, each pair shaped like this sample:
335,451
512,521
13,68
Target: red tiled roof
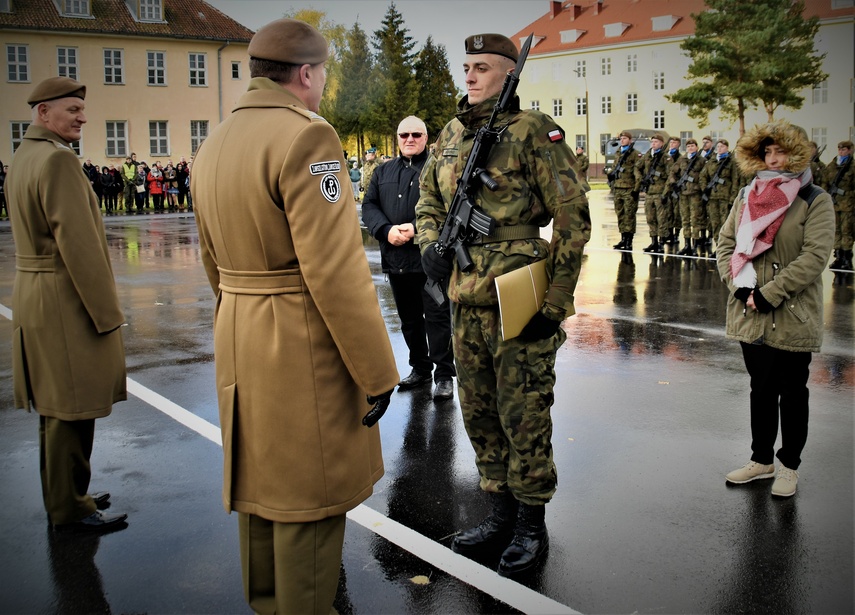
185,19
636,17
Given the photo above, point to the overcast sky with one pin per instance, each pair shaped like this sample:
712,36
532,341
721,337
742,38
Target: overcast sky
449,22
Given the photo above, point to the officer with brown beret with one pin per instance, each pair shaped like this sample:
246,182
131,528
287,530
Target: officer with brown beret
66,313
299,340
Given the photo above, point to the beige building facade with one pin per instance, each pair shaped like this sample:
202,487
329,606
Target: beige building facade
608,65
160,74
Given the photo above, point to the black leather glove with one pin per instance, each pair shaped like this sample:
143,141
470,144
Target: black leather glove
436,267
635,194
742,293
540,327
763,306
381,403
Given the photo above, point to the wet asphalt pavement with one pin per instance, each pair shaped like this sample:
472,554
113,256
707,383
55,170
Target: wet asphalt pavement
651,411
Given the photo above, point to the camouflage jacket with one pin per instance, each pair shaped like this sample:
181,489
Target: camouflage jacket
728,182
367,171
843,194
692,184
538,181
657,176
629,177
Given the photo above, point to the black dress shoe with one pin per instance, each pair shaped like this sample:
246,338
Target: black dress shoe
444,390
415,379
96,522
101,499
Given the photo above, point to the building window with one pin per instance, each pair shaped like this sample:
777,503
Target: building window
605,137
76,8
198,133
715,135
151,10
235,70
156,67
819,136
632,103
117,139
581,141
17,63
114,66
685,135
581,106
606,105
198,69
659,120
76,147
557,107
581,70
535,105
66,62
658,80
606,66
5,6
820,93
632,63
158,137
18,130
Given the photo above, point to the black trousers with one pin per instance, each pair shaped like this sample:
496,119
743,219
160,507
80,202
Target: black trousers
778,388
426,326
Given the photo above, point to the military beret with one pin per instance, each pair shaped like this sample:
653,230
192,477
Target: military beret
56,87
492,43
845,144
692,141
658,135
289,41
625,133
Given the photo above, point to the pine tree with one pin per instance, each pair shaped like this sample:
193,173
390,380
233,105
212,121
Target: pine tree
437,94
352,104
743,54
394,60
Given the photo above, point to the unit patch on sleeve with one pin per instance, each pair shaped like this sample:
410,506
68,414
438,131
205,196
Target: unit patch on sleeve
330,187
555,135
330,166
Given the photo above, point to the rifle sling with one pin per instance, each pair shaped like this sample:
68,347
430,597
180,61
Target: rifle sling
508,233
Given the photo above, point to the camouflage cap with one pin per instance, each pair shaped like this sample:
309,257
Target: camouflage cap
54,88
498,44
289,41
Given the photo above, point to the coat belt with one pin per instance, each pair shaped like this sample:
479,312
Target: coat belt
509,233
260,282
33,262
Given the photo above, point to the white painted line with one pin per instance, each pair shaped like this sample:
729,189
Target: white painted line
5,312
488,581
173,410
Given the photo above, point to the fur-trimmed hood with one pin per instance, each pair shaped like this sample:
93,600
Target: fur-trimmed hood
793,139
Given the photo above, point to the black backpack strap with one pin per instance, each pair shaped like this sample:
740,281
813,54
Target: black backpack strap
810,192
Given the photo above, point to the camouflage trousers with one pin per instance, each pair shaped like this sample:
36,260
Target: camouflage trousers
626,208
843,226
660,220
717,209
694,215
506,394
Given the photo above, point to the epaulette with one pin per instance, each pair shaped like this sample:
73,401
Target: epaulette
305,112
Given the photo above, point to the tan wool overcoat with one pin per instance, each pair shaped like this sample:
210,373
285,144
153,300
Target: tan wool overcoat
299,339
68,358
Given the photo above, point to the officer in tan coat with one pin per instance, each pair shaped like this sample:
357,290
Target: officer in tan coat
68,360
299,341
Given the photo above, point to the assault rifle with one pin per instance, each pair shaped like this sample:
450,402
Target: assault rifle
715,179
815,157
648,178
675,190
833,190
465,221
619,168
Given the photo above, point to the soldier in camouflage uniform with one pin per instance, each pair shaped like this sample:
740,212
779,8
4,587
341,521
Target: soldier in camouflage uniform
369,166
505,386
839,181
583,161
625,180
684,179
654,168
817,166
720,178
676,217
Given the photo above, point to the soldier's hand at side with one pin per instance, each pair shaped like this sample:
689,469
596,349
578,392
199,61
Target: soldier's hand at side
436,267
381,403
540,327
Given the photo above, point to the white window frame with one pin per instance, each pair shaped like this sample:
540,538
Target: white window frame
605,66
582,141
819,136
158,137
557,107
151,10
659,119
117,144
819,93
66,62
581,68
236,70
606,105
17,129
18,64
156,75
196,136
535,105
685,135
198,75
632,63
632,102
114,66
658,80
581,106
76,8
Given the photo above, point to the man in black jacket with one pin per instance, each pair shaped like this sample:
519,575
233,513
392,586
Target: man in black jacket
388,212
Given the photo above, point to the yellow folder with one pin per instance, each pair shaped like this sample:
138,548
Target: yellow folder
521,293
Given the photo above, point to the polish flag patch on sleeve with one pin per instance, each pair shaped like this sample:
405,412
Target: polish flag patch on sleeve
555,135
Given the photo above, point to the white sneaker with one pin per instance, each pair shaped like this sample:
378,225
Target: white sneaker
785,483
751,471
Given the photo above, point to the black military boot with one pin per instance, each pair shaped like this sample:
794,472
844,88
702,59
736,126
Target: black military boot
654,244
530,541
846,260
621,245
695,248
835,264
687,249
494,531
628,245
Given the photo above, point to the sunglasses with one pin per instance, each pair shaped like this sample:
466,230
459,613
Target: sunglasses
406,135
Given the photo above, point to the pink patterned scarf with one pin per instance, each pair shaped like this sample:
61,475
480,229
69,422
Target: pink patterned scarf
767,201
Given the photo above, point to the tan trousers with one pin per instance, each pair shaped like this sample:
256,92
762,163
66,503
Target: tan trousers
290,567
64,451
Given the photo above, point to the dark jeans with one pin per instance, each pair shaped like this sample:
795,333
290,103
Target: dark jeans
426,326
778,387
